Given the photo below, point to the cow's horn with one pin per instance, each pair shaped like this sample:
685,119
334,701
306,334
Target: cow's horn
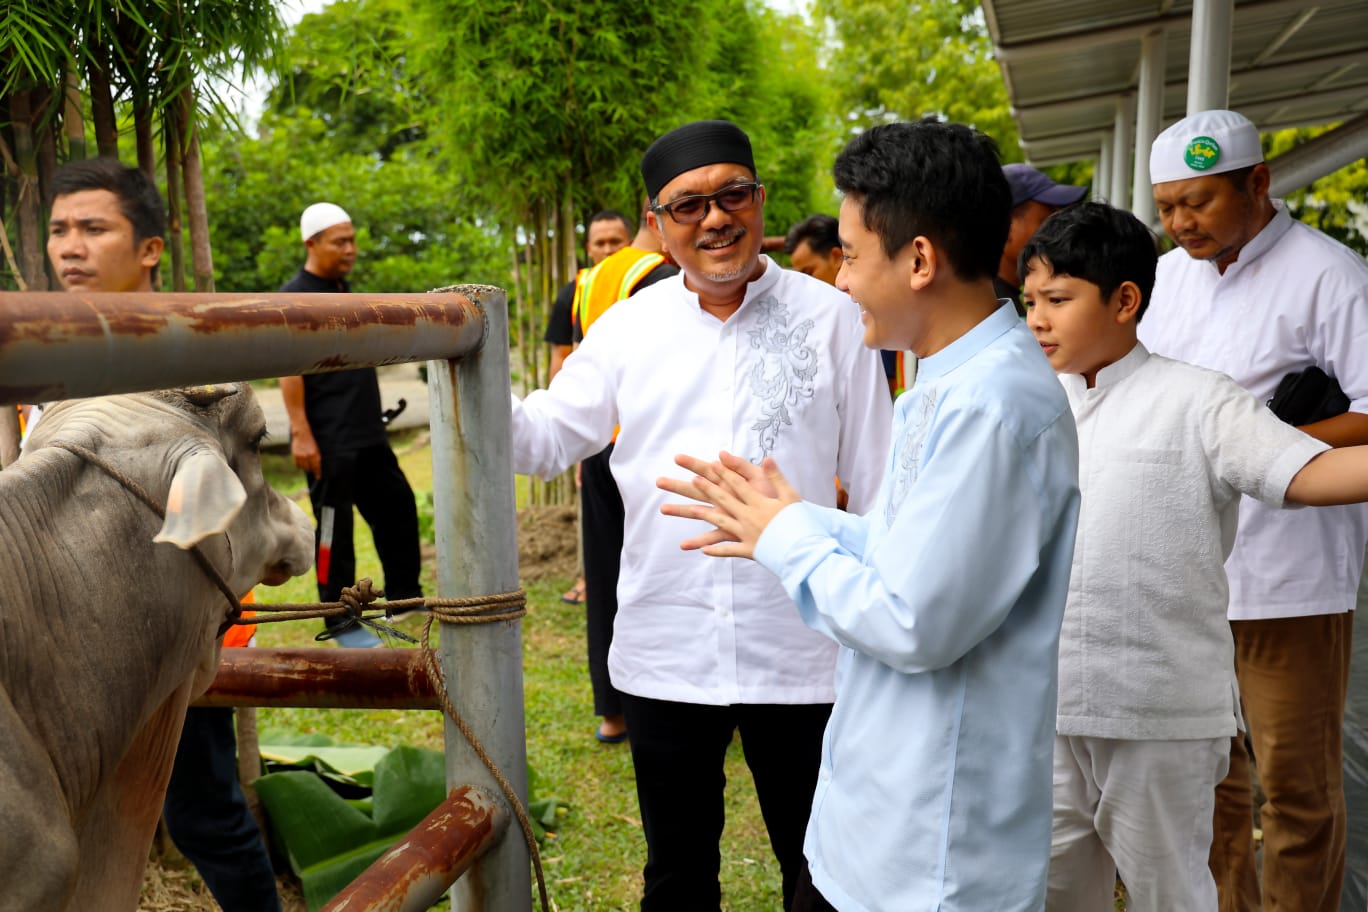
203,396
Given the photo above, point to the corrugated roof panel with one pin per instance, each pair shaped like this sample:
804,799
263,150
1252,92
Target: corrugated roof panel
1293,61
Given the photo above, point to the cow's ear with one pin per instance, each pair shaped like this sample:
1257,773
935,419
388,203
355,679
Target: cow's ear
205,496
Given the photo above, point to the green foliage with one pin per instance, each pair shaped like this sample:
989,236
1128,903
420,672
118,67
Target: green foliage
902,61
413,232
1337,203
546,100
348,68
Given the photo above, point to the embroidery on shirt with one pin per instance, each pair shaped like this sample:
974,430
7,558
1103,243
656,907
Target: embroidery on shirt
908,458
786,372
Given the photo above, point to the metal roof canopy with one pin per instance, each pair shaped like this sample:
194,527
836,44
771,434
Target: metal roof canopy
1098,79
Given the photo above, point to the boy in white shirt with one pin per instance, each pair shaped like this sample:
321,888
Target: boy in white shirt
1147,695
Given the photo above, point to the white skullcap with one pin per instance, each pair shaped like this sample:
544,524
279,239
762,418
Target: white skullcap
320,217
1209,142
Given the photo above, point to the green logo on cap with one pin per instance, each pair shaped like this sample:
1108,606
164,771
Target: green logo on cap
1201,153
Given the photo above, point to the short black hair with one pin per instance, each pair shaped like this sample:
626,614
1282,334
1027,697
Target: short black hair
940,180
822,233
1239,178
139,200
1097,243
609,215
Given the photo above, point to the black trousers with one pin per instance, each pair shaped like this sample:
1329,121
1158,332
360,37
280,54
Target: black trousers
369,479
207,815
807,897
678,750
601,524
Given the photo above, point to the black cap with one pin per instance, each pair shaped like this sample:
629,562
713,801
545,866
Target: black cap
704,142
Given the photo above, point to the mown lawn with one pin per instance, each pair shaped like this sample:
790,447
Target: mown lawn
593,861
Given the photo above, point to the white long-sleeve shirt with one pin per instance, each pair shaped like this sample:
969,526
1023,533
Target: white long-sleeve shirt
786,375
1294,298
1165,451
946,598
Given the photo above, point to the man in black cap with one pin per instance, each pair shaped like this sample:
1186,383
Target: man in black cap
734,353
1034,199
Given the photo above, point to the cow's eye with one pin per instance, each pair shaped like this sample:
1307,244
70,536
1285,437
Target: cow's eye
257,440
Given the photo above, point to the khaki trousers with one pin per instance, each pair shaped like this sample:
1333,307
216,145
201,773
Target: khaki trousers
1293,675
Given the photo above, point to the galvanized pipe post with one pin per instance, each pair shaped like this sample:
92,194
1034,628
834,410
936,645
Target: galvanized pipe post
1149,116
1123,146
477,554
1209,55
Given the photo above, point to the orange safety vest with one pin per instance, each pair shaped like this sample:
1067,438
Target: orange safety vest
614,279
900,381
241,634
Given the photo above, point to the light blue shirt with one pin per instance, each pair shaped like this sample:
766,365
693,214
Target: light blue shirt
946,598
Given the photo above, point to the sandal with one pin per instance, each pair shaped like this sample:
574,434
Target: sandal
576,594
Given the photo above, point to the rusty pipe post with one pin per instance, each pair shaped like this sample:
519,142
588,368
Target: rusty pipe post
323,678
477,554
412,875
63,345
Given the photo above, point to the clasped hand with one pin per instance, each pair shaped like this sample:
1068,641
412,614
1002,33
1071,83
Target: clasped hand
738,498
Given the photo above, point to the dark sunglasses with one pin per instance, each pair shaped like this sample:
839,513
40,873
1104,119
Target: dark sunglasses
689,209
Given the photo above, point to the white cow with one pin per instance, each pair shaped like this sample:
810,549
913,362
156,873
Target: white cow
108,629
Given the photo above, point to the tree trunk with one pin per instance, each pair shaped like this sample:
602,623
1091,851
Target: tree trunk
197,213
47,127
175,236
102,104
28,206
72,119
142,134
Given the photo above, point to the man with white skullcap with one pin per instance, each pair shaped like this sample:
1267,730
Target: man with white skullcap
1261,297
733,353
337,436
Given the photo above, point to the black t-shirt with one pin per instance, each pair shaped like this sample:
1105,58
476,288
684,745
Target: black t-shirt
1007,290
558,330
343,407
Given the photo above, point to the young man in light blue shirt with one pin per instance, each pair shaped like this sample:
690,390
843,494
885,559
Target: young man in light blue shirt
946,598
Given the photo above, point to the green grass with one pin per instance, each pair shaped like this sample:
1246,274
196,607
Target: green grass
593,861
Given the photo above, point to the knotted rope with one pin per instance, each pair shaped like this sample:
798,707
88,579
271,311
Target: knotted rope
356,602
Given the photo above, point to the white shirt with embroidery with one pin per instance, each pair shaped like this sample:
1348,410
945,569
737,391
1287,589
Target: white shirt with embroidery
786,376
1165,451
1294,298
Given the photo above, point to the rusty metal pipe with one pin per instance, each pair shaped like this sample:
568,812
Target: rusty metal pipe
412,875
324,678
62,345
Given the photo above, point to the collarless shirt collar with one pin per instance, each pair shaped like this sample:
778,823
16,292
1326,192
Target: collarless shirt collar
1112,374
763,283
969,344
1262,242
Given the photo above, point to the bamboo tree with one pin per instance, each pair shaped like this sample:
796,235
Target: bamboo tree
28,202
171,134
196,209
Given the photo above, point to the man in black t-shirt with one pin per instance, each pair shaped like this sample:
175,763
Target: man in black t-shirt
337,436
608,232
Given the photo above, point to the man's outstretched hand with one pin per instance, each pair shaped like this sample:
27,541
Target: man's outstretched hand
738,498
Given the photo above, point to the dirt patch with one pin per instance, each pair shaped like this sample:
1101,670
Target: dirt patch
548,543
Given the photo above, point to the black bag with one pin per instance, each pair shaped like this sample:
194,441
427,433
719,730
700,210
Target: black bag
1307,397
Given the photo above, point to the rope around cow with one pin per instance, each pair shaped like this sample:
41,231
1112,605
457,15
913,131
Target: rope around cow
355,602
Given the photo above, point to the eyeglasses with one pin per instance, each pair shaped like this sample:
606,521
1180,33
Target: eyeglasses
690,209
